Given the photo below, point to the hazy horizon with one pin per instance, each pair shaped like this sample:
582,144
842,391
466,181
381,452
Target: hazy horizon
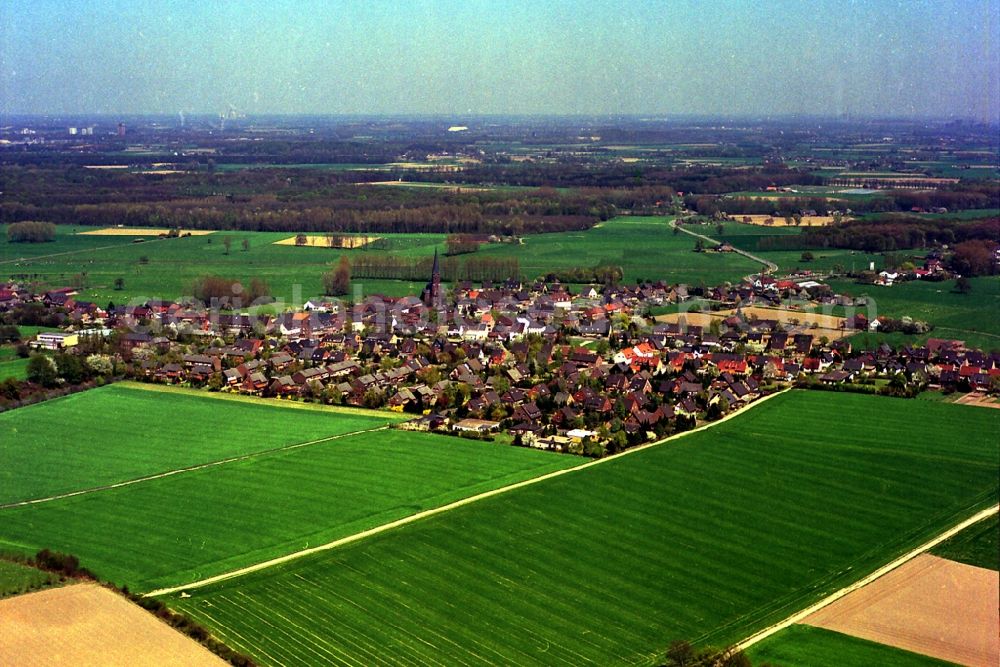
824,59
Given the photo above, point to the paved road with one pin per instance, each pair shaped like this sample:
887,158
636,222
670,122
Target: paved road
771,266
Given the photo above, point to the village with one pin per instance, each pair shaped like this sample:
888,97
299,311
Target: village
535,364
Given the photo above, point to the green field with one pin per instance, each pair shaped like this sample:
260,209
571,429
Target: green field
16,578
806,646
977,545
294,274
123,432
644,247
973,317
187,526
707,538
12,366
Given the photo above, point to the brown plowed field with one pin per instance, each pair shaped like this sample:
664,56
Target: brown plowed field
86,624
930,605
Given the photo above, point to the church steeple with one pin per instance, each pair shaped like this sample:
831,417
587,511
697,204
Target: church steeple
432,293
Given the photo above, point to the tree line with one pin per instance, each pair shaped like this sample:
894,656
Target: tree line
452,269
898,234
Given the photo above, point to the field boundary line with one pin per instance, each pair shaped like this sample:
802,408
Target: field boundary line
355,537
861,583
193,468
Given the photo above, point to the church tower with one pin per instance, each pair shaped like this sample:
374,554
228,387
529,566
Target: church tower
432,292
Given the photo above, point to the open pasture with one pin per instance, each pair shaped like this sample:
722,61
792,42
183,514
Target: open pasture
184,527
707,538
121,432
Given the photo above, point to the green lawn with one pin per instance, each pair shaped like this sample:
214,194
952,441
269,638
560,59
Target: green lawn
16,578
707,538
806,646
120,432
186,527
977,545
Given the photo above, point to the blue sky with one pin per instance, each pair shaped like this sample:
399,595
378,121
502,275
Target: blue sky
910,58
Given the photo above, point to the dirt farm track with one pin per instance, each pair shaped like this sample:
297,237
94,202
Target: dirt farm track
86,624
930,605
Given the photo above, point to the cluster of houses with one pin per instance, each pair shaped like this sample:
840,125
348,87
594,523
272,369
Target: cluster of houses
553,368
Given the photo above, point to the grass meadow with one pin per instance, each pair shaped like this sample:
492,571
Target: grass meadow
119,432
806,646
707,538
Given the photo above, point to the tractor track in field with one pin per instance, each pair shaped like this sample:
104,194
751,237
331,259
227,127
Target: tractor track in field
443,508
15,260
192,468
861,583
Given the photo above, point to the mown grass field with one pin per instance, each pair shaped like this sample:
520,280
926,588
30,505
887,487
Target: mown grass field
977,545
16,578
120,432
806,646
707,538
185,527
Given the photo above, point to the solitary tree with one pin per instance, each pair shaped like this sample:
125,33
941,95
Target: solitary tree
119,284
246,244
228,243
338,281
963,285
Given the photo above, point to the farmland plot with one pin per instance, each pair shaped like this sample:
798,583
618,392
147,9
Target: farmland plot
119,432
707,538
185,527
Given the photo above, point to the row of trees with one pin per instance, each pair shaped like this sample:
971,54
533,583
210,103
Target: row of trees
452,268
207,288
899,233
